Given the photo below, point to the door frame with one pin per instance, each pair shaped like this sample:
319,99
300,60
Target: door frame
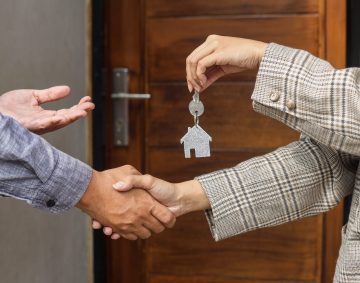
98,140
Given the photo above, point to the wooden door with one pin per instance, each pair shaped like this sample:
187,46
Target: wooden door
152,38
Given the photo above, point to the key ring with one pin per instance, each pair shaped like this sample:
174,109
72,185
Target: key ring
196,119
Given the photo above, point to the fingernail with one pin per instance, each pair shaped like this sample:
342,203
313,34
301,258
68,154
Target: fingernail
119,185
190,87
115,236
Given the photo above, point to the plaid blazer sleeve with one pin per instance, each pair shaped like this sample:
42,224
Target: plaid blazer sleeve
309,95
302,179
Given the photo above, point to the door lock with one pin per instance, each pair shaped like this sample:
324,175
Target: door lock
121,98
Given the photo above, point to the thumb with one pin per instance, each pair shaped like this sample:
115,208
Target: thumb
138,181
121,186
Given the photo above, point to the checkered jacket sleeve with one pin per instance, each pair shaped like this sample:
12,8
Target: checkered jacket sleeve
309,95
302,179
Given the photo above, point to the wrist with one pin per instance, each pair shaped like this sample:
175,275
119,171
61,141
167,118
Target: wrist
192,196
260,51
88,197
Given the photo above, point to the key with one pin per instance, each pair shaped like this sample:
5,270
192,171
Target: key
196,138
196,107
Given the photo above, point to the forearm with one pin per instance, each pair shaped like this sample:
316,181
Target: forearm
309,95
32,170
296,181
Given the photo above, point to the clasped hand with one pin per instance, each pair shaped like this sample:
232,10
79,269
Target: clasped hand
180,199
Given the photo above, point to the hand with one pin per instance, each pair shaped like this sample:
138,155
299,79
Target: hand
180,198
219,56
24,106
134,214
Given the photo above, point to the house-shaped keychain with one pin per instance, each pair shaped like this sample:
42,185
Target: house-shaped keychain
196,138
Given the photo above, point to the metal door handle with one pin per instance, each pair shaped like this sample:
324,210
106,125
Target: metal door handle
121,98
130,95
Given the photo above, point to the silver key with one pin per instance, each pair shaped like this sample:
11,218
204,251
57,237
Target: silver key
196,96
196,108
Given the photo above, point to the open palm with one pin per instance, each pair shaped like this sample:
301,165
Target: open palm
25,106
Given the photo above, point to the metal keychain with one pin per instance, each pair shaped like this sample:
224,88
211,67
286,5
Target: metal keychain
196,138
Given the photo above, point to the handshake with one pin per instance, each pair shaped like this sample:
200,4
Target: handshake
128,204
132,206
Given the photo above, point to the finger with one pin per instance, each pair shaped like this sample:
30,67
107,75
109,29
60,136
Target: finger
96,225
70,115
45,125
57,121
190,80
51,94
175,210
154,225
188,77
115,236
129,236
191,75
85,99
85,106
164,215
129,170
212,76
107,231
189,85
206,63
196,58
143,233
145,182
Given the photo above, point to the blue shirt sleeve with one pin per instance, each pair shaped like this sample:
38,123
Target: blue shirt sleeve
34,171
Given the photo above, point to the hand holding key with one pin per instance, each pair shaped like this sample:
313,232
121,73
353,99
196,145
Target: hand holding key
219,56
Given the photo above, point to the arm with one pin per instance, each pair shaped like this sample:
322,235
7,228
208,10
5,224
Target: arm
299,180
296,181
309,95
292,86
34,171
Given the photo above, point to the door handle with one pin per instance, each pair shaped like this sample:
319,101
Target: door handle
121,98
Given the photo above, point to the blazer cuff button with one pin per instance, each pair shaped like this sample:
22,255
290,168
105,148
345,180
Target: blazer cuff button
274,96
290,105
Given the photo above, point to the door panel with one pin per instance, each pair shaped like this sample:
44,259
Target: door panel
170,40
152,38
288,252
161,8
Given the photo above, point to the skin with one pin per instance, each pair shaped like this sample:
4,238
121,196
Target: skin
180,198
24,105
133,214
219,56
